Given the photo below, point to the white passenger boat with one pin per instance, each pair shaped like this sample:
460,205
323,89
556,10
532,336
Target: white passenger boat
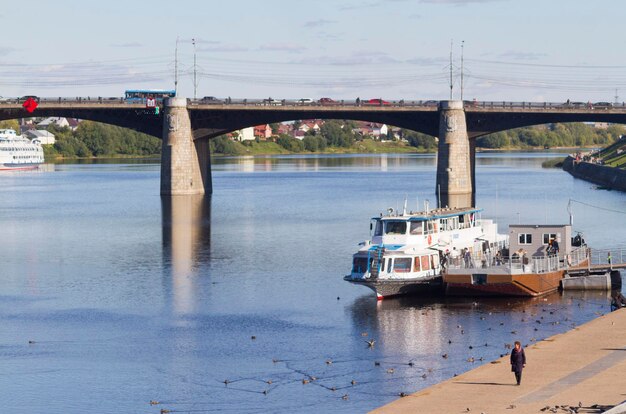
407,252
18,152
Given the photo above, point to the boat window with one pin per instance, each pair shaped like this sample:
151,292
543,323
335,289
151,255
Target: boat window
425,263
388,265
378,229
359,265
416,227
432,226
434,261
402,264
525,238
395,227
416,264
547,237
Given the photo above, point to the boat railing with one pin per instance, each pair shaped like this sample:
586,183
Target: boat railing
607,256
488,262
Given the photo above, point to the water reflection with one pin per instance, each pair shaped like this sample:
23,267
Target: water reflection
314,163
468,331
186,243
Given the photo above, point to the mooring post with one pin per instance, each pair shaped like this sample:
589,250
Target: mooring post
185,164
455,157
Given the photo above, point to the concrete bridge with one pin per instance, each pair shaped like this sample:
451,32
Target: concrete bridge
186,126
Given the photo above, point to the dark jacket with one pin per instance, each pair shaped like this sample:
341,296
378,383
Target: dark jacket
518,360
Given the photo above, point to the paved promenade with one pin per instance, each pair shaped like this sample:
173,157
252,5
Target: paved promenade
586,365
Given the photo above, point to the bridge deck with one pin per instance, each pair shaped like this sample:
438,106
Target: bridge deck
585,365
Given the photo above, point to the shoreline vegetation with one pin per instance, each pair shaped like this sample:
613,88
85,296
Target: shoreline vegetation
93,140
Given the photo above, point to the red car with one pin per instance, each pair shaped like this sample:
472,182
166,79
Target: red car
377,101
328,101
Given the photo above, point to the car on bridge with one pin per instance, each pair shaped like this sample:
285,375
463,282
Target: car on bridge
210,100
328,101
27,97
377,101
603,105
272,101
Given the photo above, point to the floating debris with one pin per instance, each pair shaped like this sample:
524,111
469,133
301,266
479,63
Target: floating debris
371,343
344,397
253,337
154,402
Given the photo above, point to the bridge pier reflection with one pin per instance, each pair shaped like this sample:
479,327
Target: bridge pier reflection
186,243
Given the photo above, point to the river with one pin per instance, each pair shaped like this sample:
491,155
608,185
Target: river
112,297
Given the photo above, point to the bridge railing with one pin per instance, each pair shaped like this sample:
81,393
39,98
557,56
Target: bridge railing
365,103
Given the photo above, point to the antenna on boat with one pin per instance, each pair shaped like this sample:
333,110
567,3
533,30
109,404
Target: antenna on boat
406,199
569,210
417,203
426,206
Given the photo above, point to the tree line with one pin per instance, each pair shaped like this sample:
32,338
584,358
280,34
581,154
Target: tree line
94,139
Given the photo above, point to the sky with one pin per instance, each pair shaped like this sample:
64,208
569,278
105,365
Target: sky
513,50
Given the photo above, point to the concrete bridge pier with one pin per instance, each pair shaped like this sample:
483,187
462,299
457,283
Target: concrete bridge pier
185,163
455,159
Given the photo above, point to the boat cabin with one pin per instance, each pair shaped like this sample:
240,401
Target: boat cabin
540,240
427,226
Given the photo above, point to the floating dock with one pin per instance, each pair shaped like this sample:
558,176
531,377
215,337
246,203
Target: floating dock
585,366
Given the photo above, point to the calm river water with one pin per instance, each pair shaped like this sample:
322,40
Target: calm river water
111,297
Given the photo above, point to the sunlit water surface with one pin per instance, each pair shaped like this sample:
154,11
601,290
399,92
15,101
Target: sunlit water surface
129,298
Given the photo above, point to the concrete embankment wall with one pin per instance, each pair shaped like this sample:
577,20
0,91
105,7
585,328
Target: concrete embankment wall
609,177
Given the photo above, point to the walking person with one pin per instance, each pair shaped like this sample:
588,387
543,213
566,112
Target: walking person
518,361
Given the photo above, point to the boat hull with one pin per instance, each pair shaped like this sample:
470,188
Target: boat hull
386,288
15,167
527,284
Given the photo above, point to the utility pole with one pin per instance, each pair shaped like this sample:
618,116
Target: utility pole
616,96
195,82
176,68
462,44
451,41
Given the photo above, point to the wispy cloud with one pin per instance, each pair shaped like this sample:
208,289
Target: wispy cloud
428,61
127,44
517,55
364,5
318,23
5,50
223,48
357,58
458,2
283,47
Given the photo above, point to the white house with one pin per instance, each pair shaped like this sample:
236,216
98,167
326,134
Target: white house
44,137
58,121
246,134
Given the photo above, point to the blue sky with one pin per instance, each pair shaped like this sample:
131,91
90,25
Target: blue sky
521,50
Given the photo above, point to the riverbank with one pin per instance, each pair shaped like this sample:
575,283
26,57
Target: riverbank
609,177
583,367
